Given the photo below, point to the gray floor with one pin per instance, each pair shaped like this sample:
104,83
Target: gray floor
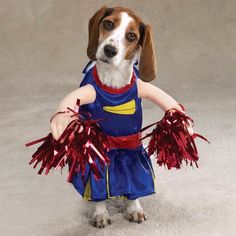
42,53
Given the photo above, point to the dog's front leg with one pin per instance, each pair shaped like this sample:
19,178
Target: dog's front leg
134,211
100,218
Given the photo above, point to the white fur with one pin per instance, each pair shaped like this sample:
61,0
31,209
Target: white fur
134,211
115,76
118,72
100,208
133,205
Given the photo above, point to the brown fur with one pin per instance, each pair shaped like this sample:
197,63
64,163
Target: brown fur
93,29
132,47
115,18
147,62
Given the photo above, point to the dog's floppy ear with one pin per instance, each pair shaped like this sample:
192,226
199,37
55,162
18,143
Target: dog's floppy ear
93,29
147,61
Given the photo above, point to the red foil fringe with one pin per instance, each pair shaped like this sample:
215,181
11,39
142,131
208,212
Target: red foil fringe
81,143
171,141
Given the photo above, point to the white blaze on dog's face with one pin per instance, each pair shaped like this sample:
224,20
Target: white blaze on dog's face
118,39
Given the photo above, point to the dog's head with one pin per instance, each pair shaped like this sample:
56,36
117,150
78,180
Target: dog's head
117,34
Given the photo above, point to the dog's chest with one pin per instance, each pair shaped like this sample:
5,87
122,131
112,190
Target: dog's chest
119,109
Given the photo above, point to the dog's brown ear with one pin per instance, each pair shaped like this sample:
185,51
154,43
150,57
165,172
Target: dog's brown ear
147,61
93,29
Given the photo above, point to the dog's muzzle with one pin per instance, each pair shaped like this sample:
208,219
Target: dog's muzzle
110,51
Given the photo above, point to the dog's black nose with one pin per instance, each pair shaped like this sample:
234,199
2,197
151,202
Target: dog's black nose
110,51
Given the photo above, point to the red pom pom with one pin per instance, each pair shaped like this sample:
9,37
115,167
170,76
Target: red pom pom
171,140
81,143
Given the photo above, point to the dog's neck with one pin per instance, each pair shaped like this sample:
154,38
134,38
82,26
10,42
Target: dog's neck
115,76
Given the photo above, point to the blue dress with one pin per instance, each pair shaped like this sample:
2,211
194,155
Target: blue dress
130,174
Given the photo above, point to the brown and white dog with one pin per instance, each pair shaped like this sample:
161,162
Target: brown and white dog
117,37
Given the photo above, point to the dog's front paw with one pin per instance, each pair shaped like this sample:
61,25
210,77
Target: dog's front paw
101,220
137,216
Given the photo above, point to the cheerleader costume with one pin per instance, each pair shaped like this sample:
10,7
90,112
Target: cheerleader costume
130,174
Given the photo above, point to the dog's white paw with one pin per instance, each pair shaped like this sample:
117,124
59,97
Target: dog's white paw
137,216
134,211
101,220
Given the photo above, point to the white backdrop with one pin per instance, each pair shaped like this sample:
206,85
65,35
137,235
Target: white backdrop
42,53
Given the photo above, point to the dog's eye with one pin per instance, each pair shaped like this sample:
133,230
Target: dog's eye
131,37
108,25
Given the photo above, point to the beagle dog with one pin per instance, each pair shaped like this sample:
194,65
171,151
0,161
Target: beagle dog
117,38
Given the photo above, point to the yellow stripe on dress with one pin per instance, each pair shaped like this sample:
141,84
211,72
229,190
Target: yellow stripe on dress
153,176
127,108
108,189
87,191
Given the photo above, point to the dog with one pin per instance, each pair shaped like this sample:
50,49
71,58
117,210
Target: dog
118,38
